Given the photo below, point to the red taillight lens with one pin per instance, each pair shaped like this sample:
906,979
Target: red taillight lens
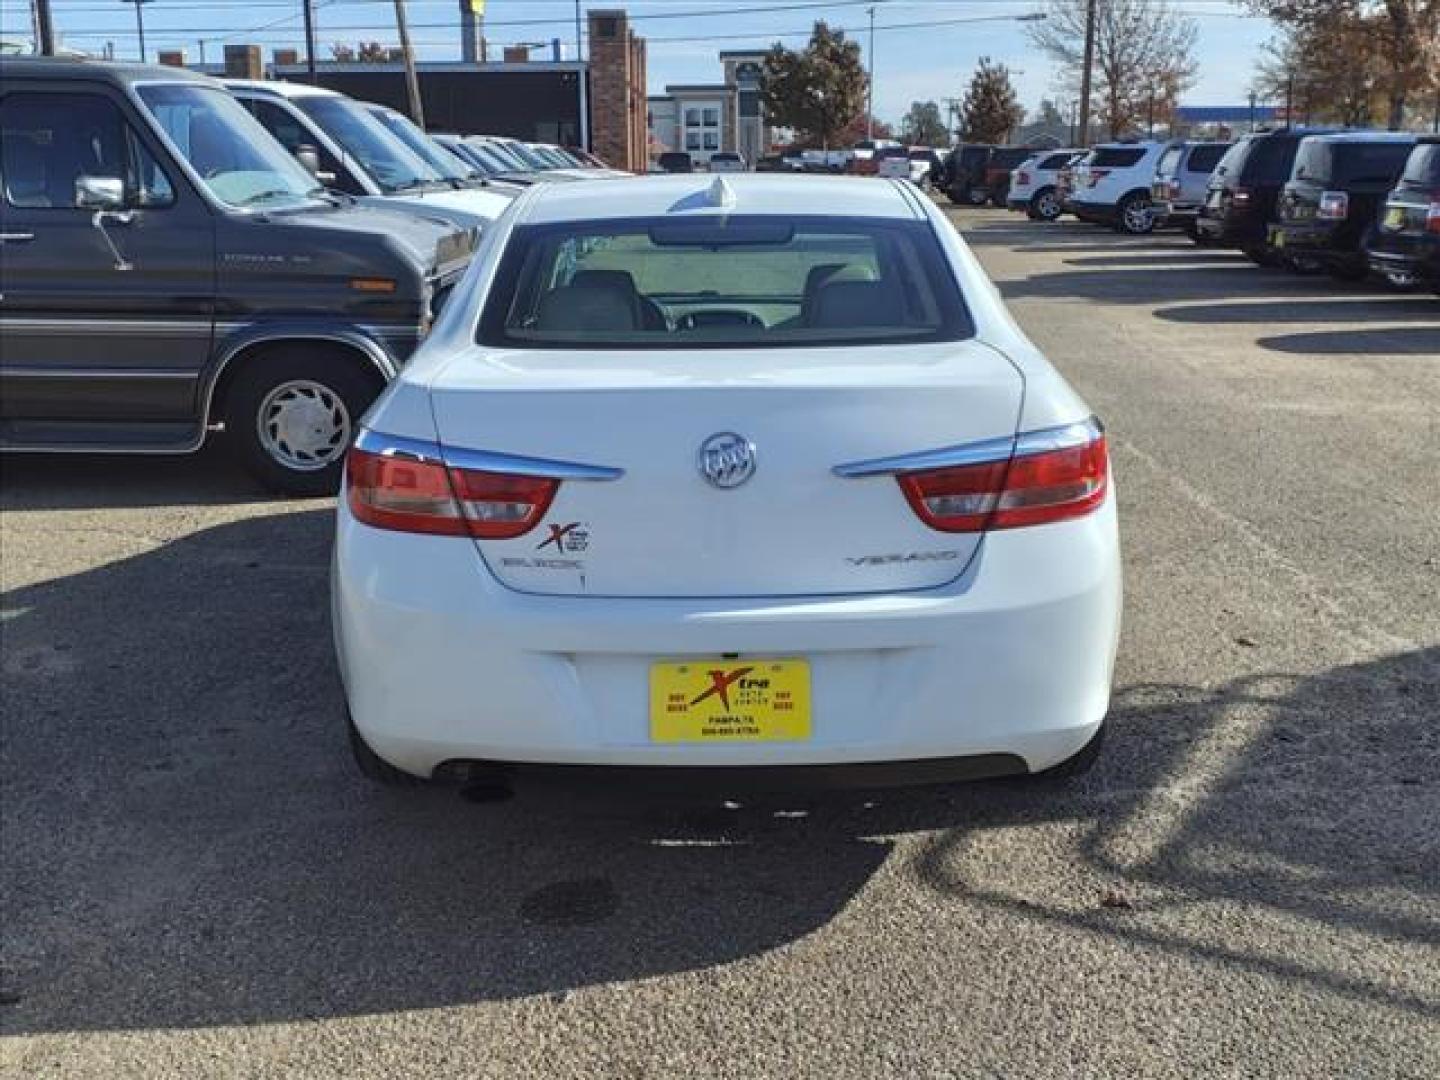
1029,489
1334,206
1432,216
405,495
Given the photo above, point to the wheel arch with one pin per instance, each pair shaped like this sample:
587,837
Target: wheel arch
362,350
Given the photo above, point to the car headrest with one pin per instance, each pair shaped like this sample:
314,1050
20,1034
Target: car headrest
591,279
606,306
858,303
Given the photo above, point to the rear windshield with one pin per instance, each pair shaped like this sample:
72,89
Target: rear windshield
1111,157
1056,161
1169,161
1423,166
1203,159
1232,162
706,282
1371,163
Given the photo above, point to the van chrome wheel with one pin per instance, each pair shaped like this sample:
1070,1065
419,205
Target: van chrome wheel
304,425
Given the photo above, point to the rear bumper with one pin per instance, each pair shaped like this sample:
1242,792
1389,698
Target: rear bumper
442,663
1423,264
1310,238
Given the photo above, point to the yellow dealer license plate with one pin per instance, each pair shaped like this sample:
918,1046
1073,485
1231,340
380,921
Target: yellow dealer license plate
756,700
1395,218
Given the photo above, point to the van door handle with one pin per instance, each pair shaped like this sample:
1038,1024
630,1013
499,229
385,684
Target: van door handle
16,237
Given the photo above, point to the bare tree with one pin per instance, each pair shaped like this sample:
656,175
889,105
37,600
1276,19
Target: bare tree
1144,56
1404,39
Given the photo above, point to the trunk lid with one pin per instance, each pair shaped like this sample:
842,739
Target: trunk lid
793,528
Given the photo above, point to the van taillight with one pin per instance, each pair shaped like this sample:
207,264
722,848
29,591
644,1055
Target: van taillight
411,494
1054,475
1240,197
1432,216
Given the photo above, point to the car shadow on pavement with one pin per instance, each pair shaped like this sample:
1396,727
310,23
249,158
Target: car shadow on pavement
95,481
1304,810
186,843
1381,340
1312,309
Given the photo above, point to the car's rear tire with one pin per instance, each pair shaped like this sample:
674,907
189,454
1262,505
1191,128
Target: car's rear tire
1135,215
375,768
1045,205
291,412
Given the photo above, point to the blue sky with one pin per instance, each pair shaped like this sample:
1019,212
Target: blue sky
924,62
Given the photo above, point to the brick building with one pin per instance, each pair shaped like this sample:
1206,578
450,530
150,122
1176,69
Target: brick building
617,88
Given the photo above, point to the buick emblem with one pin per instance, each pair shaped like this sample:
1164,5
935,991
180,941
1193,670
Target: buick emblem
727,460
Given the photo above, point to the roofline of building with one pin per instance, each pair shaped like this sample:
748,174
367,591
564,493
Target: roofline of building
328,67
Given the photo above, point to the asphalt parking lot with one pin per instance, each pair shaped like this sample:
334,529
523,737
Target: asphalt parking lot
197,884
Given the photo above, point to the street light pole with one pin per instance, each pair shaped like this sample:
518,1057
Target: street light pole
870,86
139,24
412,81
310,39
1085,73
44,28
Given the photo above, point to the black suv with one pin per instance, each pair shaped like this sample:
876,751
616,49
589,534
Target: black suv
1405,247
167,267
1331,205
965,174
1003,161
1243,190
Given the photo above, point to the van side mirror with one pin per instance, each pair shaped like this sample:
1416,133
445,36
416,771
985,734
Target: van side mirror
99,192
308,156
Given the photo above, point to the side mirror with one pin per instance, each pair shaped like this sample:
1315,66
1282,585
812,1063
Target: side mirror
100,192
308,156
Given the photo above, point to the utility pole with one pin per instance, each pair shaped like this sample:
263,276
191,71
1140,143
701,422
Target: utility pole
44,27
309,39
1290,100
579,52
201,43
139,24
1085,73
412,83
870,84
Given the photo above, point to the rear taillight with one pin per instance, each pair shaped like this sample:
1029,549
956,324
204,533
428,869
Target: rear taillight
1432,216
414,493
1334,206
1240,197
1054,475
1174,187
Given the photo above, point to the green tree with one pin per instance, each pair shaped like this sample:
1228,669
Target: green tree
990,111
817,90
923,125
1144,57
1401,36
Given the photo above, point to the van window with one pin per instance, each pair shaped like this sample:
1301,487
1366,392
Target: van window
1056,161
49,141
1205,157
226,147
1169,163
1117,157
703,282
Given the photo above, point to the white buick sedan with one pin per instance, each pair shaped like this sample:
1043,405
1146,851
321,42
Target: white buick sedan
750,477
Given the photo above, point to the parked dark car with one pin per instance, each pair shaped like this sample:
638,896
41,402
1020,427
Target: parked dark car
1405,247
1244,188
167,267
1331,205
1003,161
965,174
675,161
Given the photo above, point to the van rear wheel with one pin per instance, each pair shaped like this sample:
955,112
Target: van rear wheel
291,414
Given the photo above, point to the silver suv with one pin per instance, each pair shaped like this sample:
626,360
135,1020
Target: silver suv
1181,178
